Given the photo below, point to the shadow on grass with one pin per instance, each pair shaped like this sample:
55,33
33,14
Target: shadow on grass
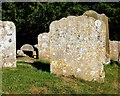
113,63
44,66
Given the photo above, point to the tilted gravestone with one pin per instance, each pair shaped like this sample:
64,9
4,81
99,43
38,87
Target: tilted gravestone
7,44
79,46
43,46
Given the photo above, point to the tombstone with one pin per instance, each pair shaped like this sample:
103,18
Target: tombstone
28,50
7,44
43,46
79,46
114,50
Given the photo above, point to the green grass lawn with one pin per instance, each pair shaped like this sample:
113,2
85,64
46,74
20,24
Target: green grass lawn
26,79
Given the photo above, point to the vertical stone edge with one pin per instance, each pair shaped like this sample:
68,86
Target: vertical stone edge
119,51
105,19
15,47
39,37
0,64
0,52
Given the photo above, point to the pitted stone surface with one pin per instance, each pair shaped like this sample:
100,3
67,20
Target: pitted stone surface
114,50
78,47
43,46
103,18
7,44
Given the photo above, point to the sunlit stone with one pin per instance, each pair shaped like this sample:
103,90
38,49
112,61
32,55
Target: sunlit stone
115,50
43,46
64,71
85,36
7,44
78,70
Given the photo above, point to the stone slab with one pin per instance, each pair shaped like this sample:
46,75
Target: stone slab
7,44
114,50
79,46
43,46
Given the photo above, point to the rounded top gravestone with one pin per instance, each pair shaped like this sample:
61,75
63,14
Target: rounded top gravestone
27,47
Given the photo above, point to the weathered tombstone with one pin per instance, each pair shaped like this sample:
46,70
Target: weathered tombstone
114,50
28,50
79,46
7,44
43,46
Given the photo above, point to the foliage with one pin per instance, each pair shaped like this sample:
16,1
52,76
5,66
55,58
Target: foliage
33,18
26,79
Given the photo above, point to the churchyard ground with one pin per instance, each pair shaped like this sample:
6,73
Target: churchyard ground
27,79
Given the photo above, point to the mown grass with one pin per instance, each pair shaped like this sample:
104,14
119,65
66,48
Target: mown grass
26,79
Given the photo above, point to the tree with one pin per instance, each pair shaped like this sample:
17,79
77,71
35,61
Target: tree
33,18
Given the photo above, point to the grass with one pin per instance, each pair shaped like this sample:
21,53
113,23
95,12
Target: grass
27,79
